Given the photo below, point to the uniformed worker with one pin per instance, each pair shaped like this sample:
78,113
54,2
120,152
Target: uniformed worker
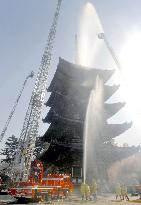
93,189
82,190
124,193
118,191
87,191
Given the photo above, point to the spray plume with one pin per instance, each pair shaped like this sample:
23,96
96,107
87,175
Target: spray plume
88,42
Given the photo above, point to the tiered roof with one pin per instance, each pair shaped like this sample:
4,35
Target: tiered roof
70,90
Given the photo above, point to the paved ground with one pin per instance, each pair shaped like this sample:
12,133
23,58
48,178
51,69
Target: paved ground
102,200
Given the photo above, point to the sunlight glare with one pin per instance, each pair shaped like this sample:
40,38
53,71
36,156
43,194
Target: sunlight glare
131,63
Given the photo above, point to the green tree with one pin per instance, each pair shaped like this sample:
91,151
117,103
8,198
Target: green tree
9,151
11,146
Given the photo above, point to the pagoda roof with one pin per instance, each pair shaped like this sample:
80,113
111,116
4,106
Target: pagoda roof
115,129
78,96
67,111
53,116
62,131
69,74
112,108
64,128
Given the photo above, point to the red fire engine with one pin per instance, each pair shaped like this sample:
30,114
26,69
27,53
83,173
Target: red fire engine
40,186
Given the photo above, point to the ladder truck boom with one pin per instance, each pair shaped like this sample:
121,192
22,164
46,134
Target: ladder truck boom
14,106
31,122
102,36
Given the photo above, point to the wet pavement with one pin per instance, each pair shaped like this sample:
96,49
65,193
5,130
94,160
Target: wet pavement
108,199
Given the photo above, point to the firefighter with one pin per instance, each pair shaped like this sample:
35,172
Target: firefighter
82,190
124,193
93,189
118,191
87,191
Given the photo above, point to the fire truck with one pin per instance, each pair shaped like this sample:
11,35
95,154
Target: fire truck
31,181
40,186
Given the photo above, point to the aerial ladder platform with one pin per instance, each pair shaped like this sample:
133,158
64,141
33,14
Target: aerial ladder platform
14,106
29,133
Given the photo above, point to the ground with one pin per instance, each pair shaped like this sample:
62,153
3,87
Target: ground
108,199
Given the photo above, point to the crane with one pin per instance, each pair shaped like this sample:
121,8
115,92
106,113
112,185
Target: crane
102,36
14,106
31,122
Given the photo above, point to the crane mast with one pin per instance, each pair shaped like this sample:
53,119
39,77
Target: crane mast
14,107
31,122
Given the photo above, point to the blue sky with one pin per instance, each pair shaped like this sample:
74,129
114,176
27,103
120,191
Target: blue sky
24,27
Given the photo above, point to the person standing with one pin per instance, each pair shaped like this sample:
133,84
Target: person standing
87,191
94,190
124,193
82,190
118,191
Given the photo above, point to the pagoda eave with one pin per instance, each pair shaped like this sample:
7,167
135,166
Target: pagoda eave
113,108
78,75
114,130
57,98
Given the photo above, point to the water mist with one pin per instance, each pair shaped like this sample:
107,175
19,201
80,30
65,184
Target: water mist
88,42
92,130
